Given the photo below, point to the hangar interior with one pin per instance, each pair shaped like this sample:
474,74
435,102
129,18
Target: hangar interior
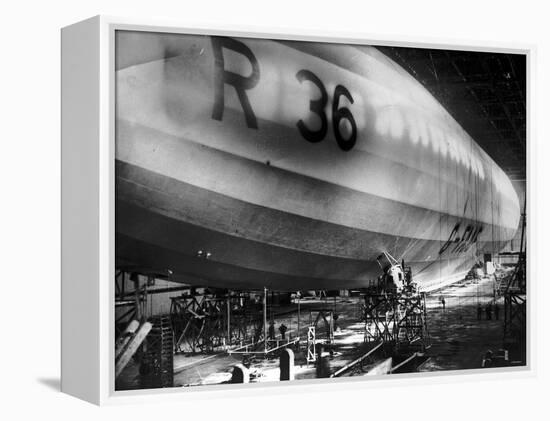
169,334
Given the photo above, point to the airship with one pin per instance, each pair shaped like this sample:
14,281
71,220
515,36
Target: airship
246,163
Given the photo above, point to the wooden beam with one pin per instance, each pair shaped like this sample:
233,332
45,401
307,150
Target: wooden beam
131,347
412,357
125,337
355,362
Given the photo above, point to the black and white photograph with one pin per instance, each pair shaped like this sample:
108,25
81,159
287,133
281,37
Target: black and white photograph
289,210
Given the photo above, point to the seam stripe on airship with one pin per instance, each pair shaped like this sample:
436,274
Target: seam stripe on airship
132,251
224,214
247,179
244,253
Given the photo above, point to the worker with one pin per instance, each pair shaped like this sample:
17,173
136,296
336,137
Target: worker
258,303
479,311
488,311
271,330
488,360
322,366
283,330
497,311
443,303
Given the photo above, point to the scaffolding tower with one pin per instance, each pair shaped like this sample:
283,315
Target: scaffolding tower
207,322
395,313
515,304
157,364
396,318
320,331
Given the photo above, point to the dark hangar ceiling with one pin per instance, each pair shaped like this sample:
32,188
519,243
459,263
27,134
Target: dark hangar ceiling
484,92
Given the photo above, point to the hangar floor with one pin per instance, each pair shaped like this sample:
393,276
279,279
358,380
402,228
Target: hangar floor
459,334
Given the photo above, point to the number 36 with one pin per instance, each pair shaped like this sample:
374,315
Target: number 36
338,114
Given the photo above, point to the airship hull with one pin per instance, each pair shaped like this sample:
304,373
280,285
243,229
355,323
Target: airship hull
267,194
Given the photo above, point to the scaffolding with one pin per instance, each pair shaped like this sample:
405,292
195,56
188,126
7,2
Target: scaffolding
311,355
157,364
133,292
396,318
322,322
320,331
394,311
131,304
515,305
208,322
264,343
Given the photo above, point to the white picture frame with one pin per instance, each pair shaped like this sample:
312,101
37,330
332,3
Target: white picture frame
88,135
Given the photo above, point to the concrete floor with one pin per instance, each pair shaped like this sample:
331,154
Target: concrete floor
348,338
458,339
